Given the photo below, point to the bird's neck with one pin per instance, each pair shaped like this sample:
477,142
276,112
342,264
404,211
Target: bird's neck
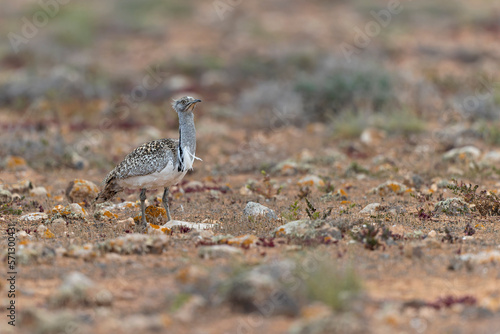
187,138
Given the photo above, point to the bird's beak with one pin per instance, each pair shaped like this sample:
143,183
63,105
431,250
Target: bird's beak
193,104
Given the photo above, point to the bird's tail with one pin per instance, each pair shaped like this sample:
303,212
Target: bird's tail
107,193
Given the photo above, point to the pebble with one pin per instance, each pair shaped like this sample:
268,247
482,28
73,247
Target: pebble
311,180
389,187
15,163
5,196
38,192
371,209
80,190
195,226
372,136
461,153
34,216
218,251
21,186
256,209
78,289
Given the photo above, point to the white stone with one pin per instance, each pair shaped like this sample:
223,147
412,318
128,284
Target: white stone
470,152
370,209
256,209
34,216
38,192
218,251
194,226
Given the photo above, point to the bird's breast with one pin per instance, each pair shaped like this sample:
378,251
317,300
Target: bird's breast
167,177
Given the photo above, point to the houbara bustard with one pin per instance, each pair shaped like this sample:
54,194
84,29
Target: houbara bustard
158,163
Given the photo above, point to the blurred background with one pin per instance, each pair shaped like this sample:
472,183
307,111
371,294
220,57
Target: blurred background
83,82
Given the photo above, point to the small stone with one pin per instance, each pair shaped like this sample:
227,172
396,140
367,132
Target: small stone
77,161
311,180
389,187
5,196
125,224
432,234
58,226
253,209
182,224
34,216
372,136
218,251
244,191
15,163
38,192
74,290
75,209
80,190
371,209
462,153
492,158
21,186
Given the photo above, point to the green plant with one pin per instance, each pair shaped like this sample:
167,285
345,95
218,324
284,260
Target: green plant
486,203
313,213
292,212
369,236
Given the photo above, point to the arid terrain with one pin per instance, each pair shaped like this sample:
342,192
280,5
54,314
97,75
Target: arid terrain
349,182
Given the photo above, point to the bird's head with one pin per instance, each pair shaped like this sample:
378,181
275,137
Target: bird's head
185,104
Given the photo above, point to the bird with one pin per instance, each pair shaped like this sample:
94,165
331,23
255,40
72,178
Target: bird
158,163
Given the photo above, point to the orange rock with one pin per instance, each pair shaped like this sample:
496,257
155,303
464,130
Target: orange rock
80,190
15,163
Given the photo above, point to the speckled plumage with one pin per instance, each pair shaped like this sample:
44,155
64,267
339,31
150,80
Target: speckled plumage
158,163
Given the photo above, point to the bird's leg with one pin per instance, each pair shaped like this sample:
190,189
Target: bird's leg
142,197
165,203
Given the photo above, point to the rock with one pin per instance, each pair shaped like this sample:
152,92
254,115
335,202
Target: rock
15,163
311,180
125,224
44,232
371,209
372,136
492,158
218,251
485,257
37,320
21,186
38,192
78,289
58,226
75,210
413,250
244,191
134,243
432,234
5,196
462,153
155,215
452,206
34,216
80,190
253,209
173,224
244,241
263,288
309,229
389,187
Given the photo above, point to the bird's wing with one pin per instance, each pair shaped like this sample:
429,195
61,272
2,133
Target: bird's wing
146,159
